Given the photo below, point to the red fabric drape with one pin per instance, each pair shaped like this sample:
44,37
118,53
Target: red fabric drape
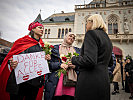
19,46
117,51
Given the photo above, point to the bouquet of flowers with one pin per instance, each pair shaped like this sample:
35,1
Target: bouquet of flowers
65,59
47,48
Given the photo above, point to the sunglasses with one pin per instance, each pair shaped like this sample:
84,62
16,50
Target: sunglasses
90,20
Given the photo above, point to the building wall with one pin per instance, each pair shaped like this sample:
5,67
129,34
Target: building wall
81,15
54,28
120,12
126,48
78,27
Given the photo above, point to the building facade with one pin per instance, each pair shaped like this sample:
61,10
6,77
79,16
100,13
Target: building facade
117,14
5,46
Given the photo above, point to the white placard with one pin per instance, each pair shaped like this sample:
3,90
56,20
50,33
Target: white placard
30,65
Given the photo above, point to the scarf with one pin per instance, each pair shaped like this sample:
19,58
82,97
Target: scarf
66,48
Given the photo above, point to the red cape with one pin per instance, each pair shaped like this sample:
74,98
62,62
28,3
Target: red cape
19,46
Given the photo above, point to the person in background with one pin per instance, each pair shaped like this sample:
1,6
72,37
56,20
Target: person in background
129,73
122,74
2,56
117,77
3,53
112,66
28,90
54,89
126,77
93,80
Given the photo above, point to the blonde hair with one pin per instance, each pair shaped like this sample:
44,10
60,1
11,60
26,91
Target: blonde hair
98,22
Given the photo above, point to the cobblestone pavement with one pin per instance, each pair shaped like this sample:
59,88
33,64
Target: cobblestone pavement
121,96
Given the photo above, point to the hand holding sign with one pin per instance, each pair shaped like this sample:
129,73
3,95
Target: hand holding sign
30,65
13,63
47,57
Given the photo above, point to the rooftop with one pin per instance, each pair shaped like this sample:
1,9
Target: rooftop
60,17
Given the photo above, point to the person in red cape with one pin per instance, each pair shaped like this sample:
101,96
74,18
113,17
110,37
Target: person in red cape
29,90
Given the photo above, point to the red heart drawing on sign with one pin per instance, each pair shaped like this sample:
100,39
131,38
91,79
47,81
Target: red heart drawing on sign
26,77
39,72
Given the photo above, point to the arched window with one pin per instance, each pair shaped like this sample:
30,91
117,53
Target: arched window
112,25
66,31
70,29
59,33
97,5
51,19
45,34
48,33
62,35
67,19
92,5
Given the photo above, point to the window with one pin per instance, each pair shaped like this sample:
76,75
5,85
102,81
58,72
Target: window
45,34
103,5
88,6
62,35
59,33
67,19
115,25
109,28
66,31
92,6
112,25
51,19
48,33
126,3
62,32
70,30
97,5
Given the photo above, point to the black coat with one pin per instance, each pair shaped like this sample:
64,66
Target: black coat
2,57
93,81
129,69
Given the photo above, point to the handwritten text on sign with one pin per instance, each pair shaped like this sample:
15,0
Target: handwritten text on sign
30,65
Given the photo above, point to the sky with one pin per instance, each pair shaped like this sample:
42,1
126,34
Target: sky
16,15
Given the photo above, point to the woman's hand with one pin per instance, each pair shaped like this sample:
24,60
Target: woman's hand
13,64
127,73
71,65
47,57
64,66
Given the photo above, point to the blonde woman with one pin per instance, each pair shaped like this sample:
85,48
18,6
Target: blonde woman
93,81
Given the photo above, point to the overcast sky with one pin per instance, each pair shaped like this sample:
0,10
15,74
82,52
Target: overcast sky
16,15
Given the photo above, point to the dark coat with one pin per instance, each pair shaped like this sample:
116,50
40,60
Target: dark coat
93,81
51,79
2,57
12,86
112,66
129,69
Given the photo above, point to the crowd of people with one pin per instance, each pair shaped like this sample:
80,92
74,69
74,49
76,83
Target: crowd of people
122,73
93,66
